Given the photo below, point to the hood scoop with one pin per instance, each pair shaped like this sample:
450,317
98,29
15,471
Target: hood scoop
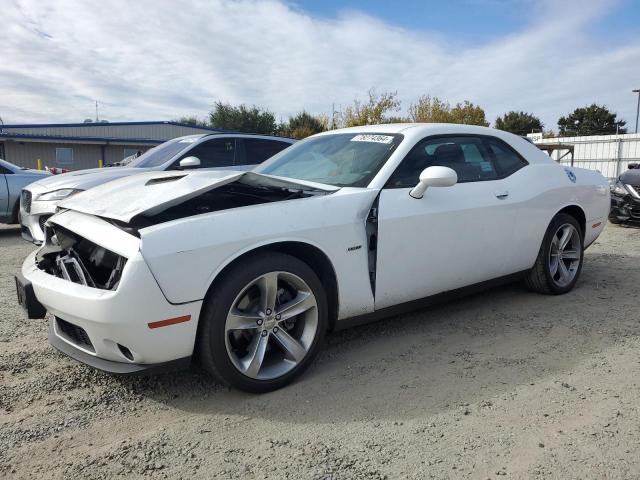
155,181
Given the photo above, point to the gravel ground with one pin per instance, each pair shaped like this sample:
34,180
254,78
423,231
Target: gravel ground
502,384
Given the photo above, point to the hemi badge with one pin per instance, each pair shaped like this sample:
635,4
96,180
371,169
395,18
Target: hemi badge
170,321
596,225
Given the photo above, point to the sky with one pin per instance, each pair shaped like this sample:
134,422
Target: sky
160,60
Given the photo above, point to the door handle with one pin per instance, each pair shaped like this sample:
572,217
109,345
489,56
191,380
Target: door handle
502,194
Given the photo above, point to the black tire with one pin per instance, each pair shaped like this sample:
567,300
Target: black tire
615,220
539,278
211,349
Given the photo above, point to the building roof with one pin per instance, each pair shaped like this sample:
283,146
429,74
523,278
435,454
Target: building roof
107,124
68,139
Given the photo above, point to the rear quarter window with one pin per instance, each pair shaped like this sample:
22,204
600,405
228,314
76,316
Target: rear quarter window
506,160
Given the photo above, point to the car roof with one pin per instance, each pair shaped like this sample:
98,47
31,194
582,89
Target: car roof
417,127
247,135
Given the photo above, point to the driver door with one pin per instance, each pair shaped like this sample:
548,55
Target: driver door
453,236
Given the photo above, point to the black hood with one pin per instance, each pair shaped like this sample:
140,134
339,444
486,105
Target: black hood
631,176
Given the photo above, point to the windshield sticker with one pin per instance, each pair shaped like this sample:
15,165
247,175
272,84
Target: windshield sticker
373,138
188,140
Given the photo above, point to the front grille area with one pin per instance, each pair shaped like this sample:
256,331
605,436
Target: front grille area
74,334
42,220
25,200
78,260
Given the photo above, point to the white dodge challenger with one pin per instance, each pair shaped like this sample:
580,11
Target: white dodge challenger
247,271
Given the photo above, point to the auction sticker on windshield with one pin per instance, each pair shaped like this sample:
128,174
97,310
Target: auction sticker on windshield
373,138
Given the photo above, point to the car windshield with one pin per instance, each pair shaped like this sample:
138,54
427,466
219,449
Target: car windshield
162,153
339,159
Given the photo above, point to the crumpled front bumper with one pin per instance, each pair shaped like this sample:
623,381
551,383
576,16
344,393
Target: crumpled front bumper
93,325
624,208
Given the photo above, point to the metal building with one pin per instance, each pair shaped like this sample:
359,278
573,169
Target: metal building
76,146
609,154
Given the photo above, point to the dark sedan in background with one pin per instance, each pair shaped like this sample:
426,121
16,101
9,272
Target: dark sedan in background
625,196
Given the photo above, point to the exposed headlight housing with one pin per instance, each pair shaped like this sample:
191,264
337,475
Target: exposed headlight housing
58,194
618,189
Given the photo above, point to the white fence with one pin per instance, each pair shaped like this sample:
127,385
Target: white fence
609,154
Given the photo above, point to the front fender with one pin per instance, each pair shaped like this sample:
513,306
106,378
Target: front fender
186,255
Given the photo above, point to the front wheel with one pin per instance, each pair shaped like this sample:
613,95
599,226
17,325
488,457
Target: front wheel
262,323
559,261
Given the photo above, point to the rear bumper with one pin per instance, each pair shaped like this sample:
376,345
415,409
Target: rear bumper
118,326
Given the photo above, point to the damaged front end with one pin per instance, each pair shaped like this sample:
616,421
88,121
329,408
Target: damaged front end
158,197
67,255
625,196
624,208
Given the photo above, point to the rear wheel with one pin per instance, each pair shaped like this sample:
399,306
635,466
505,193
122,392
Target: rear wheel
263,323
559,261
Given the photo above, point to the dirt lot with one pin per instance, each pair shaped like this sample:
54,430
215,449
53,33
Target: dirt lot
506,383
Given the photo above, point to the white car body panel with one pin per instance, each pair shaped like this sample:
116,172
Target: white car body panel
451,238
152,192
467,235
100,232
443,241
332,223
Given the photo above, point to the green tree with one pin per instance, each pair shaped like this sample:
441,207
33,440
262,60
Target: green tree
373,112
191,120
434,110
242,118
469,114
303,125
430,110
591,120
519,123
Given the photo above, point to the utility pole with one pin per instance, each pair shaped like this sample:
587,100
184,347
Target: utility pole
637,90
97,111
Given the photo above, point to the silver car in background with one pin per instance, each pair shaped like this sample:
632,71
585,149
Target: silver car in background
12,180
218,150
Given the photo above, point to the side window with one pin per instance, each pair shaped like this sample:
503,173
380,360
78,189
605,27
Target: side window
258,150
468,156
506,160
5,171
214,153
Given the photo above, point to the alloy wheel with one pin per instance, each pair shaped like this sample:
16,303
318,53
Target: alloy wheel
565,254
271,325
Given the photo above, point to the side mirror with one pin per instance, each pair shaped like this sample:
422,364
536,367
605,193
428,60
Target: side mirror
434,177
189,162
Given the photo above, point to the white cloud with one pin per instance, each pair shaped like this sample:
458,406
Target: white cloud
148,59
